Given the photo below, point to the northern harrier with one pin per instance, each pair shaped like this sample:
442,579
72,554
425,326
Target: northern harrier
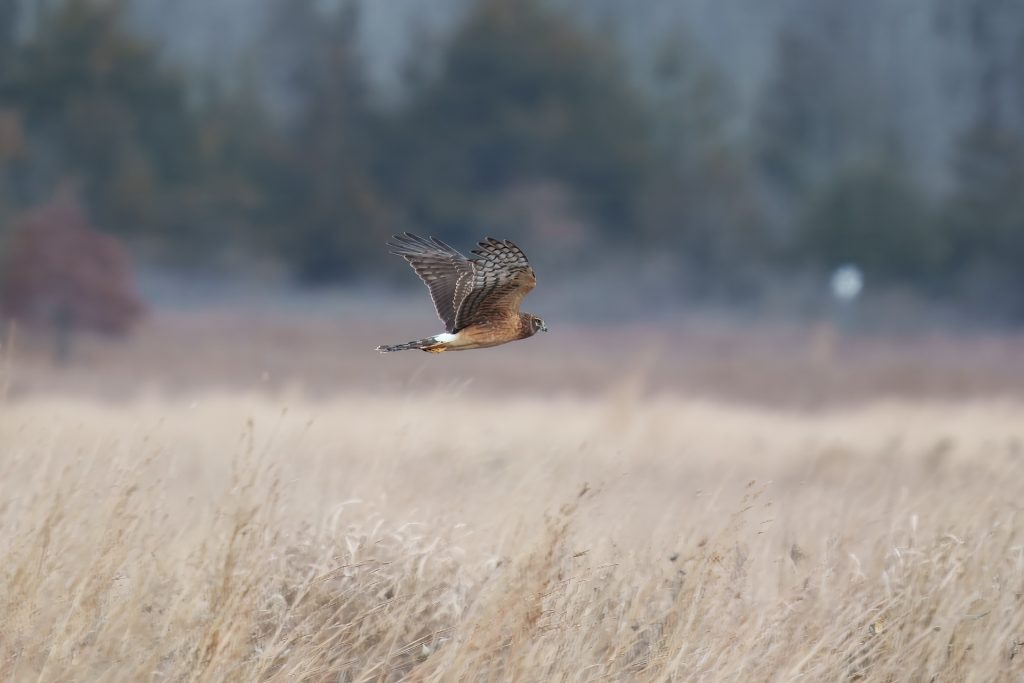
477,298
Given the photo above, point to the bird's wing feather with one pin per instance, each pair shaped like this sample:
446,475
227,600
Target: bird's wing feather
448,274
502,277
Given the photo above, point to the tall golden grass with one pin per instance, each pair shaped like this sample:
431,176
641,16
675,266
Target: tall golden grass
433,537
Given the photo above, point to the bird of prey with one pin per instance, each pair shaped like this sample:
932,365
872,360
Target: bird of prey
476,298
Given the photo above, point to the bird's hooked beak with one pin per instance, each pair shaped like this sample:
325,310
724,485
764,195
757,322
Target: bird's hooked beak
543,327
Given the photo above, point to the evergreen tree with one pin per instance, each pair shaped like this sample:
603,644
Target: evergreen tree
521,96
98,105
9,18
824,108
986,216
329,213
700,201
873,216
986,212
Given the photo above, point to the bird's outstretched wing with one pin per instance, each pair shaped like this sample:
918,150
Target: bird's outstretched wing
448,274
502,277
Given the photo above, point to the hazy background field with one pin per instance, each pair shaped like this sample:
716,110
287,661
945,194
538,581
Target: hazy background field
723,462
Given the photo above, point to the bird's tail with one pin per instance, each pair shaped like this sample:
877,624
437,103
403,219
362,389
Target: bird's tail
427,344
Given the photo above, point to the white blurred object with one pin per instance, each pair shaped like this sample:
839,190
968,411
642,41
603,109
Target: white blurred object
847,282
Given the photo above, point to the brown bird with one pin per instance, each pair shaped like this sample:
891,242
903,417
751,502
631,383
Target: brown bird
477,298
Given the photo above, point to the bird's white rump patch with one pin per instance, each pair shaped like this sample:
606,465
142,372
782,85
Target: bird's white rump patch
445,337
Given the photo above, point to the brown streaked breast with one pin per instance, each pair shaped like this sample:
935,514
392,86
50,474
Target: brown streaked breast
493,332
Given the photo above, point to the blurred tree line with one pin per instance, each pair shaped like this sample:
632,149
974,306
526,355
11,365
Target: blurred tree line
522,114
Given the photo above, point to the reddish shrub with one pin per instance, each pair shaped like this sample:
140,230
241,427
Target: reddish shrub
61,271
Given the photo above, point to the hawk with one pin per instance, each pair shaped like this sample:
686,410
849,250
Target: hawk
476,298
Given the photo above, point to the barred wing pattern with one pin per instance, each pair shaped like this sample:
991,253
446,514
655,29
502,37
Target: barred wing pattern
465,291
502,277
447,273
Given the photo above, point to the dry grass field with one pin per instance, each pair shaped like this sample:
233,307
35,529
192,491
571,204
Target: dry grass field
242,498
441,536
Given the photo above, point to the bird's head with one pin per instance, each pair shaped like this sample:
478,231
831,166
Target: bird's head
537,325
